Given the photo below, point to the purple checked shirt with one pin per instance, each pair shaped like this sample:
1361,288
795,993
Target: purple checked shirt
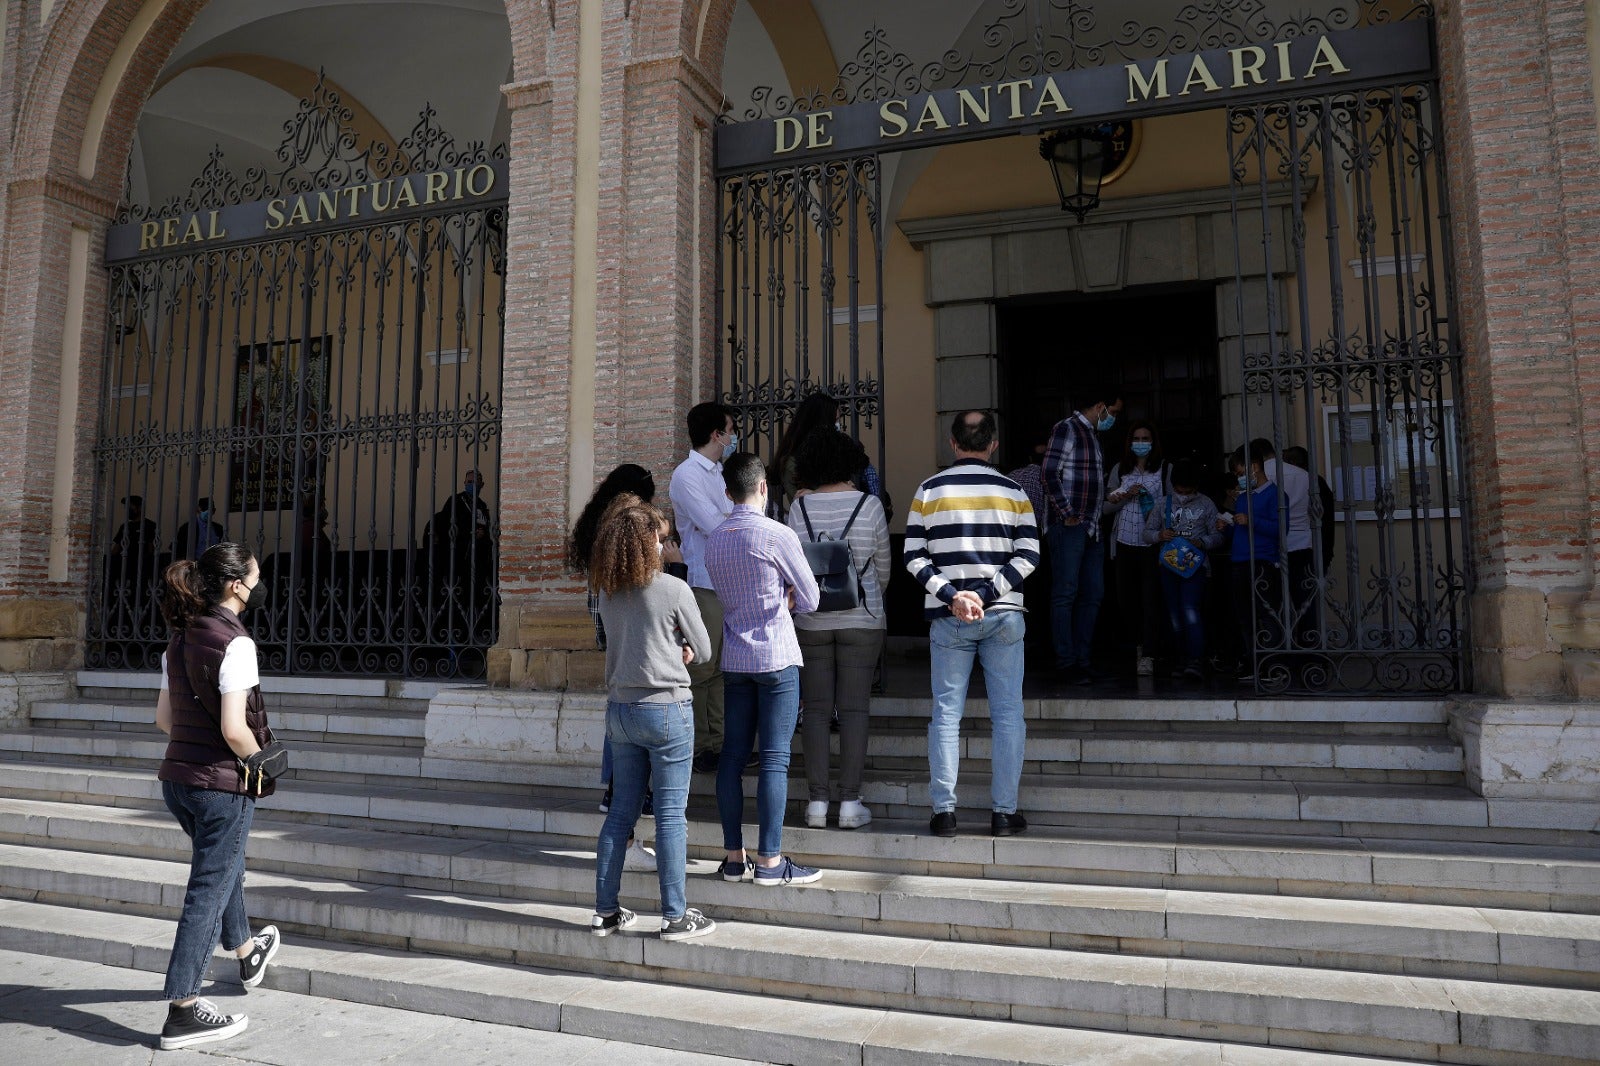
754,562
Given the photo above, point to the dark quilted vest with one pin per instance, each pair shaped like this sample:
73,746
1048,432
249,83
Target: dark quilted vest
197,755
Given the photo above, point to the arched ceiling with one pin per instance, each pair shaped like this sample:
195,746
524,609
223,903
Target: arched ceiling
238,74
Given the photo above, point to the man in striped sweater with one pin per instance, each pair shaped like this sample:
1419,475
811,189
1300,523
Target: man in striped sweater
970,542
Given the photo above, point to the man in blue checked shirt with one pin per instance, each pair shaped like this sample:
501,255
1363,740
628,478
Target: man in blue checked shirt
761,575
971,539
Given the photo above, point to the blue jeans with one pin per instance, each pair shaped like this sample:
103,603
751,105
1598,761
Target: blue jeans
764,706
218,824
996,642
1185,596
1077,562
647,739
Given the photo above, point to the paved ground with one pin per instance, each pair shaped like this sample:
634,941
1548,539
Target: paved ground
57,1012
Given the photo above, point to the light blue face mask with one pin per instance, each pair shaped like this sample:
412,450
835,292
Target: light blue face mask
729,448
1244,482
1142,448
1106,423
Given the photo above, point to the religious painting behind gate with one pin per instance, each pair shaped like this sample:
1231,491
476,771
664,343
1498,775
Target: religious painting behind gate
271,382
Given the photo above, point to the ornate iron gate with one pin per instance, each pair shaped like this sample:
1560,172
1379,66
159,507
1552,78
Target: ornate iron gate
1374,397
326,392
799,294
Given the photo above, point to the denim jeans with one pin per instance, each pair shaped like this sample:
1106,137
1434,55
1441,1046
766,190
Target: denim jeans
762,706
1184,596
218,824
996,641
1078,563
647,740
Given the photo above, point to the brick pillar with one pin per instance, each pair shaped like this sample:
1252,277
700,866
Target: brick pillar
1525,184
651,276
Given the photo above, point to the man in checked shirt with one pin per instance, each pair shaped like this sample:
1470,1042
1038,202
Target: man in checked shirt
1075,477
761,576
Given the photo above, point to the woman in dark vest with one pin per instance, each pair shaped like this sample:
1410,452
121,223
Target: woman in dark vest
211,708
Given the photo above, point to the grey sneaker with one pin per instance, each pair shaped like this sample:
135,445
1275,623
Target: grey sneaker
199,1023
691,925
606,924
253,967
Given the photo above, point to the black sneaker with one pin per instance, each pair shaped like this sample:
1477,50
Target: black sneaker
943,824
198,1023
1007,825
605,801
705,762
736,871
649,808
691,925
253,967
606,924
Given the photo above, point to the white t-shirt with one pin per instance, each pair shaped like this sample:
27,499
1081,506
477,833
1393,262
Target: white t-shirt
239,671
1296,486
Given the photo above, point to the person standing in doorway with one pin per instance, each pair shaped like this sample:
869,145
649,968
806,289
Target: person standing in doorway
1185,514
653,632
841,648
1133,487
761,575
1074,474
1294,483
198,534
1036,593
970,543
211,708
1255,557
699,504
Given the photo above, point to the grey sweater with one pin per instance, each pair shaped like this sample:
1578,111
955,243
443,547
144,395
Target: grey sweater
646,630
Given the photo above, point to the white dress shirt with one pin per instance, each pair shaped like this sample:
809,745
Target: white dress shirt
1296,486
699,504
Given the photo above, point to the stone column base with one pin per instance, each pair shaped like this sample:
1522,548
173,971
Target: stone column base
38,635
1538,764
20,691
547,648
562,731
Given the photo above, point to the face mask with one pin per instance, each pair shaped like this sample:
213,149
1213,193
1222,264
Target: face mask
470,488
1244,481
1141,448
257,596
1106,423
729,448
661,547
205,516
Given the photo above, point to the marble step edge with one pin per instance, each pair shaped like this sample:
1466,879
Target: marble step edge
1111,794
641,1012
1470,872
1200,755
353,721
1454,1019
1437,940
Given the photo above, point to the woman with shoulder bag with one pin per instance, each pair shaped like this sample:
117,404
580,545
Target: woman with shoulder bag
211,708
841,648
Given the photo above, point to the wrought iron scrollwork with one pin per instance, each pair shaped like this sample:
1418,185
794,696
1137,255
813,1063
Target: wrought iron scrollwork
321,149
1021,38
1375,395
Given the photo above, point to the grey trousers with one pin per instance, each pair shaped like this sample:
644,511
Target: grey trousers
837,673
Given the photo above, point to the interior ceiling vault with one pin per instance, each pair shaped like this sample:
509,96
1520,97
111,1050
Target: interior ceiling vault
238,73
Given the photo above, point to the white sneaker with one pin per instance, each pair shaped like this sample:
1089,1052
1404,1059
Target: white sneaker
639,859
853,814
817,814
1146,667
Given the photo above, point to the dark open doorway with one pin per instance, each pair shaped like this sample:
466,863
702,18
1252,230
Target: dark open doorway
1158,345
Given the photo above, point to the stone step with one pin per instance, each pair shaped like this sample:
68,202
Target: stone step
399,725
1474,943
645,1012
1530,876
1300,1006
1144,801
1248,715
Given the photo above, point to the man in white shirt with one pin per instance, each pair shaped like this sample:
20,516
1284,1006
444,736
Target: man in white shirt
699,504
1295,484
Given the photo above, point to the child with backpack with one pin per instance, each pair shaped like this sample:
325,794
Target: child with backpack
1182,527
